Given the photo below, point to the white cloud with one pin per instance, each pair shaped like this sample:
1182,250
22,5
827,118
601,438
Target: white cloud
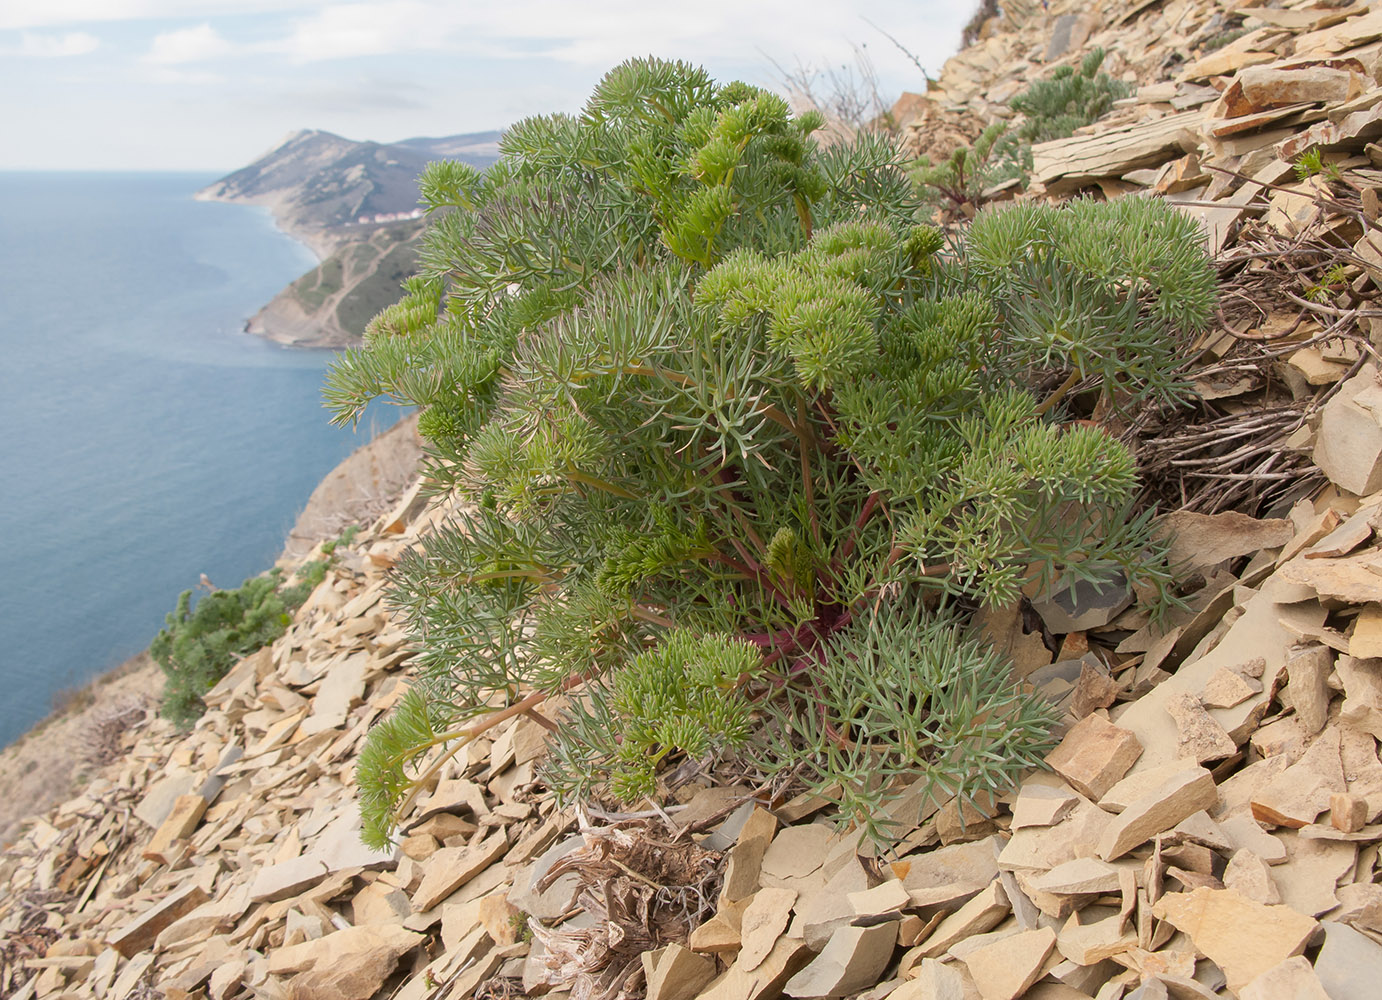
47,13
185,45
596,34
73,43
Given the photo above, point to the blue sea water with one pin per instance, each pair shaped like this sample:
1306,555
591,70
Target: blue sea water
144,437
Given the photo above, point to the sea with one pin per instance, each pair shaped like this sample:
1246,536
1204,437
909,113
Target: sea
145,438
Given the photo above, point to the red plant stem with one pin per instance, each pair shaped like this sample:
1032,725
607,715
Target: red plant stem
865,513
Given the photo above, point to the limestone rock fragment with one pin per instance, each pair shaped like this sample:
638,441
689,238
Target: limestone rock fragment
1228,688
1349,965
1242,937
140,932
452,867
851,960
1094,755
350,964
1250,875
1204,540
1007,968
1307,687
1294,978
1088,938
1180,796
765,917
1041,805
981,914
1349,447
1201,739
746,856
678,973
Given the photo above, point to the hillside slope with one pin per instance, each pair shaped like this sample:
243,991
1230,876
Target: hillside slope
319,186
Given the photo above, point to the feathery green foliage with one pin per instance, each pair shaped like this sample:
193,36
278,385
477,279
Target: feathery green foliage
735,441
199,645
1068,99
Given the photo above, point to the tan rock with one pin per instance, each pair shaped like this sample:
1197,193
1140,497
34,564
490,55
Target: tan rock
1307,882
419,846
746,856
1090,937
1041,805
1244,938
337,848
1301,792
1203,540
1249,875
1351,578
186,813
1095,689
721,933
1246,833
982,913
225,981
1081,876
1294,979
1348,813
1200,737
1260,631
1227,688
1094,755
765,917
797,851
347,965
852,960
452,867
1006,969
1360,904
935,980
1308,687
951,874
1179,796
1139,785
679,973
764,981
823,911
888,897
501,920
1362,707
139,933
1046,847
1270,86
1366,640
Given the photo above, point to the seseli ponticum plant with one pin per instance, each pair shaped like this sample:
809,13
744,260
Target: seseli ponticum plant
734,443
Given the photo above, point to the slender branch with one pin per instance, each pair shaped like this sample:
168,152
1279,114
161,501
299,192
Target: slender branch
1070,382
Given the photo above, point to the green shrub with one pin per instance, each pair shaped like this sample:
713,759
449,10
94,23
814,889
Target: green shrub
199,645
738,446
1068,99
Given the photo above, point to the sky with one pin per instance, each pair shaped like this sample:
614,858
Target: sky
212,84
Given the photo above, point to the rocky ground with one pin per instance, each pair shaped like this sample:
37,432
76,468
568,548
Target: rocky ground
1207,827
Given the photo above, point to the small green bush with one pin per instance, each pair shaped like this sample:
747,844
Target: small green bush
737,444
199,645
1068,99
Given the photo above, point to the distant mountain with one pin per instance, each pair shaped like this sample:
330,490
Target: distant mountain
321,186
